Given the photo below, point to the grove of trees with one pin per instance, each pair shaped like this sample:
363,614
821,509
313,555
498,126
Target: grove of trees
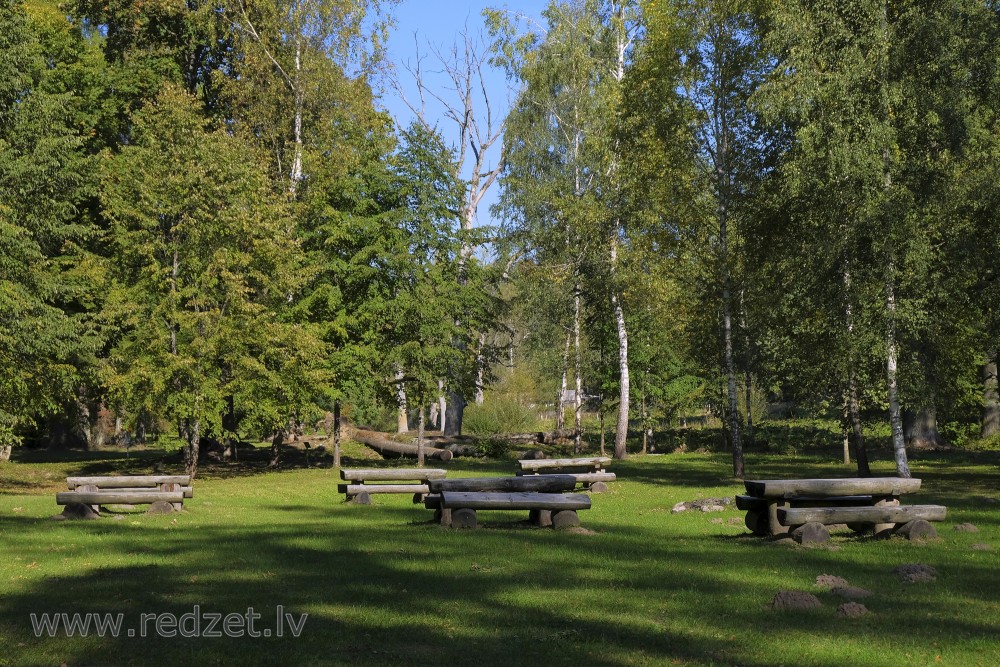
209,224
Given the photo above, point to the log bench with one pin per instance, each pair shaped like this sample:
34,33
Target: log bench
163,493
804,508
359,485
589,472
559,510
532,484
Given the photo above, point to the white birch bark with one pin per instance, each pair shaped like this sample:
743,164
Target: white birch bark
402,425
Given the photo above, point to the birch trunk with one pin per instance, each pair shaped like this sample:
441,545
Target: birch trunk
621,433
578,399
560,417
480,371
895,413
402,424
5,452
442,405
296,174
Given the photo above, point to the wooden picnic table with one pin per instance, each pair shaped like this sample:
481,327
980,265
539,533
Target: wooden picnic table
779,506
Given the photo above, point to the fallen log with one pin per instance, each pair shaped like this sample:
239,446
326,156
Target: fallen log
391,449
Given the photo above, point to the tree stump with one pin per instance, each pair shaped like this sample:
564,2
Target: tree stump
811,533
463,518
565,519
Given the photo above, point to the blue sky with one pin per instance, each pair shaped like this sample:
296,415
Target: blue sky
439,23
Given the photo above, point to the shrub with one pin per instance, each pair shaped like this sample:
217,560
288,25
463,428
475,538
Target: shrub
498,415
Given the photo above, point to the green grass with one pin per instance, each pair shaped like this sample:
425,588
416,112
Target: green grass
382,585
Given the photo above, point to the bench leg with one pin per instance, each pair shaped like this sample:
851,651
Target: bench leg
362,498
443,516
756,522
463,518
565,519
541,518
918,529
774,527
885,529
598,487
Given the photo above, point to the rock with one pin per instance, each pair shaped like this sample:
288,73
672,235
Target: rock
795,600
598,487
829,581
811,533
982,546
76,511
160,507
917,530
966,528
679,507
851,610
850,592
913,573
713,508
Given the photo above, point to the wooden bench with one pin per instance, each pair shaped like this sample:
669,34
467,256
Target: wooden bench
589,472
536,489
558,510
805,507
389,480
162,492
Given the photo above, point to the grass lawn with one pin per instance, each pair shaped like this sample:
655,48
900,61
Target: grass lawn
383,585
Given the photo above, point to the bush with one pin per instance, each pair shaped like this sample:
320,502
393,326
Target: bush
498,415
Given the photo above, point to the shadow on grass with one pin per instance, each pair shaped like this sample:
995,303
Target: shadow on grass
381,586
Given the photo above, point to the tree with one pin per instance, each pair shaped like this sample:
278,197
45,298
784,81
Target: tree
561,188
45,181
203,265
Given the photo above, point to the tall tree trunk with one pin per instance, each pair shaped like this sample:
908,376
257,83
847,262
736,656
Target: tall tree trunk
336,433
990,422
442,406
747,359
480,369
193,447
560,417
277,440
454,413
621,433
895,414
578,398
296,174
845,430
853,402
420,438
402,423
644,415
600,418
727,330
920,428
